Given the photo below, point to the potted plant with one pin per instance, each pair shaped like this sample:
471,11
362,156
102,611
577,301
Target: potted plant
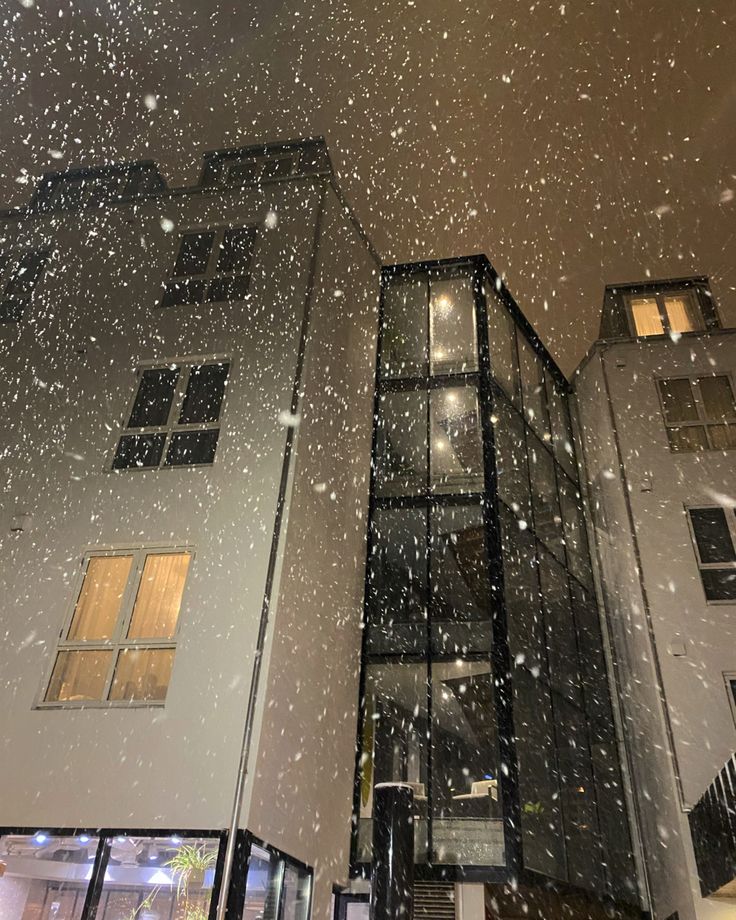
188,868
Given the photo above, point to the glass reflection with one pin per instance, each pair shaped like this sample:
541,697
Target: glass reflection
452,327
456,460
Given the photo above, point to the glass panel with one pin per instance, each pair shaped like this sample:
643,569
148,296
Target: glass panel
452,327
532,385
719,584
79,675
460,587
690,438
277,169
395,724
466,808
194,253
405,334
229,287
23,280
712,535
236,250
295,894
142,674
137,451
153,400
455,437
262,885
722,437
502,347
183,291
98,606
45,878
576,538
717,397
402,443
157,604
647,320
397,581
512,467
562,442
547,517
187,448
205,391
678,400
534,723
682,313
158,878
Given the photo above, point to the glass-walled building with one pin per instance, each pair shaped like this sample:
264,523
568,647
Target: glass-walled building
484,678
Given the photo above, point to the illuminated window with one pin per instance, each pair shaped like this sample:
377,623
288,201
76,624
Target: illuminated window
699,412
174,418
119,639
211,266
665,314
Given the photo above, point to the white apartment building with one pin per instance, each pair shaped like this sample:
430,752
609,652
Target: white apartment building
173,363
658,420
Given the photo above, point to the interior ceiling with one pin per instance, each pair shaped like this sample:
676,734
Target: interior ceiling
576,143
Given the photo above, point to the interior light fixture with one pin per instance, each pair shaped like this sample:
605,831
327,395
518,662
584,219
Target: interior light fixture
40,837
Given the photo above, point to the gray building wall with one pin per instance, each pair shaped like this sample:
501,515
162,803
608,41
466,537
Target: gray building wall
678,720
67,375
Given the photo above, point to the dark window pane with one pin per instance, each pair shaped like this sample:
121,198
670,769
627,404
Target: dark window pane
189,447
502,346
404,347
25,276
719,584
205,390
722,437
137,450
397,594
236,251
456,462
11,311
717,397
243,173
275,169
231,287
678,400
188,290
712,535
153,401
533,389
401,449
690,438
194,253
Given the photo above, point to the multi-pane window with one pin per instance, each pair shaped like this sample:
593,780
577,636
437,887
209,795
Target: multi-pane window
254,170
175,417
714,530
211,266
665,314
19,277
118,643
699,412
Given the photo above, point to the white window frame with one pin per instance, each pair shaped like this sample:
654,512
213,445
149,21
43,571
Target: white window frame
119,640
660,296
702,421
211,273
171,426
730,515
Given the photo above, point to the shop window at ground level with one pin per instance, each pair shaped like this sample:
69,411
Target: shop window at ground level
275,887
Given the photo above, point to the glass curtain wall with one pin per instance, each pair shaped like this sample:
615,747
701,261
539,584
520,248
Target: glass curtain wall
428,708
573,816
467,400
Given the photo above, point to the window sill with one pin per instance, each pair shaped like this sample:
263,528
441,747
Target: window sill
100,704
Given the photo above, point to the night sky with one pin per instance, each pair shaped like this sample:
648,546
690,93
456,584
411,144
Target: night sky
576,143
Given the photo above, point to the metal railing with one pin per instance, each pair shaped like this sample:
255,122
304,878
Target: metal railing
713,829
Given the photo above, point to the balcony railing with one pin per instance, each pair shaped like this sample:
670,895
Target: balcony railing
713,829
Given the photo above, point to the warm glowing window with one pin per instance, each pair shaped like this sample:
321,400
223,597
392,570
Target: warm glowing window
175,417
665,314
119,641
699,412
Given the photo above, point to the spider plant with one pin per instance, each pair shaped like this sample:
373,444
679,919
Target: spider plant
188,861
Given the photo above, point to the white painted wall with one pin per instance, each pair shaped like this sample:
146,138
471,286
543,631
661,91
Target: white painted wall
691,696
